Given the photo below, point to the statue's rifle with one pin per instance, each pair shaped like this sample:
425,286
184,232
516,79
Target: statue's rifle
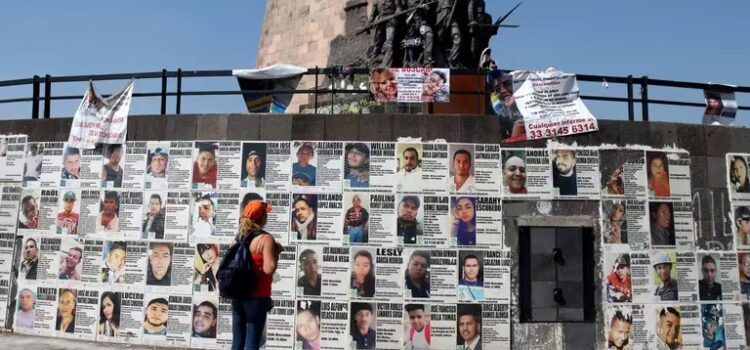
384,19
500,20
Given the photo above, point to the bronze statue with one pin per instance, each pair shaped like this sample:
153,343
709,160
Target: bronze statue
448,32
385,32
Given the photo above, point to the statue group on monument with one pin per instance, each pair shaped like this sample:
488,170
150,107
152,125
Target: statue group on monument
429,33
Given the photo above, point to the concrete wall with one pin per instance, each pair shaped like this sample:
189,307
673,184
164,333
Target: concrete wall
707,146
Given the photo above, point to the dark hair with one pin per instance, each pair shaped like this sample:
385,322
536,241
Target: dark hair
668,310
118,245
414,199
71,151
651,156
708,259
250,196
439,74
27,199
462,151
207,197
203,247
154,244
411,149
480,274
158,301
156,196
370,274
305,253
113,196
421,253
206,147
413,307
619,316
359,147
115,298
306,146
77,249
209,305
114,147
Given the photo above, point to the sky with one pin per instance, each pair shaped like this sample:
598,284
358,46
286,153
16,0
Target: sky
687,40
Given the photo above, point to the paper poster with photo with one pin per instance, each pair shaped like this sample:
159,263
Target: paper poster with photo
7,242
619,280
227,213
575,173
469,327
24,314
551,105
496,271
32,166
153,215
471,276
496,330
663,319
357,166
205,169
277,166
28,260
180,165
308,324
317,166
285,277
721,107
224,336
169,268
89,204
130,219
278,219
363,273
46,311
437,221
309,277
389,276
205,266
228,167
123,264
91,167
255,160
47,219
203,218
476,221
410,219
280,325
381,165
462,170
623,173
624,327
101,119
738,176
176,216
717,277
125,323
409,157
157,166
5,296
315,218
10,199
641,273
443,279
671,225
69,263
205,321
90,266
526,174
70,174
122,165
49,259
444,324
674,277
487,169
155,321
625,225
356,218
435,165
668,175
336,274
12,153
363,322
418,325
417,272
108,217
411,85
179,320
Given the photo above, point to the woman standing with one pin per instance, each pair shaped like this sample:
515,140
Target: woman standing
249,314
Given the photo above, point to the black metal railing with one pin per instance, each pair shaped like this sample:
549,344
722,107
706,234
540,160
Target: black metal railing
332,74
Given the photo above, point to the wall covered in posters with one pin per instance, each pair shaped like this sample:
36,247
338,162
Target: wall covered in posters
387,244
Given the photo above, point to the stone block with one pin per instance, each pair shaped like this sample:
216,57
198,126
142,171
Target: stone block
634,133
150,128
446,127
181,127
376,128
740,140
698,171
341,127
243,127
276,127
662,134
406,125
692,138
717,173
480,129
579,335
609,133
718,140
308,127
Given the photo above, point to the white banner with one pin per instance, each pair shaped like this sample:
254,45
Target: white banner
101,120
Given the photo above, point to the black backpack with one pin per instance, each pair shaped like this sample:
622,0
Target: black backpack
237,276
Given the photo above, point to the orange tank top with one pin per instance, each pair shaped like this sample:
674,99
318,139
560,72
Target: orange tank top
264,284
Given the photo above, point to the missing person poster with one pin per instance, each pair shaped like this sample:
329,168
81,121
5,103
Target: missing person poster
129,306
10,198
157,163
575,173
227,213
390,329
205,266
409,157
434,166
476,221
625,327
87,314
623,173
48,210
123,264
550,104
285,280
738,178
275,166
223,325
46,311
130,173
91,262
91,167
526,174
317,167
181,318
417,275
207,320
494,271
155,319
675,326
28,211
12,153
70,174
335,273
170,267
668,175
205,169
674,277
356,218
487,168
228,167
716,273
280,323
641,273
444,321
204,218
316,218
129,215
363,273
417,325
734,327
625,225
411,85
495,326
671,225
436,231
378,166
381,222
180,165
89,205
443,276
278,219
389,276
176,216
721,107
309,278
32,167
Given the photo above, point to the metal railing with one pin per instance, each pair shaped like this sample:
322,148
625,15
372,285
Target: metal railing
333,73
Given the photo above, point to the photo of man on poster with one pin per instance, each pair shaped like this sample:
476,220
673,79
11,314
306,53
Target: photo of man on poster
666,289
153,218
204,320
67,219
469,326
668,330
409,227
156,166
159,264
25,309
462,172
29,213
254,160
108,218
303,171
709,287
409,176
30,261
417,275
310,280
69,264
362,319
111,170
155,320
618,333
564,175
71,164
662,224
417,335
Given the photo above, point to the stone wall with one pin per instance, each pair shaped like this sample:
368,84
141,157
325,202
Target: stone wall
707,145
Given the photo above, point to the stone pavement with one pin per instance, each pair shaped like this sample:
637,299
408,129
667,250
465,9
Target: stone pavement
31,342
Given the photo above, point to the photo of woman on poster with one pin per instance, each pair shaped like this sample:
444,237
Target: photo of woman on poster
615,226
66,311
464,220
738,175
304,221
658,174
308,324
109,314
207,260
363,274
